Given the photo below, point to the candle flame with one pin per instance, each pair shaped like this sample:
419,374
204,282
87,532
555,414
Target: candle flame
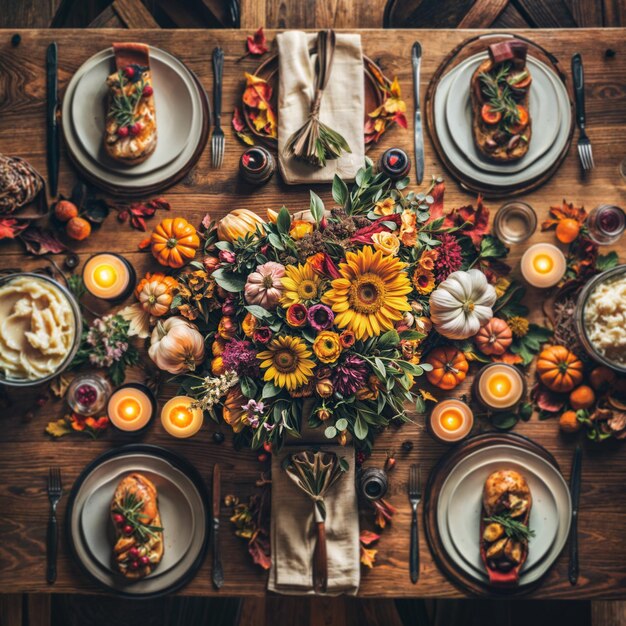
451,420
181,416
129,409
500,385
105,275
543,263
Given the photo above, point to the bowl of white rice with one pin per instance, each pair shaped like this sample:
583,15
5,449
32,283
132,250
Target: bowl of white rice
601,318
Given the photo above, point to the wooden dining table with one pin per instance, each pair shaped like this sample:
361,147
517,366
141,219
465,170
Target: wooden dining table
26,452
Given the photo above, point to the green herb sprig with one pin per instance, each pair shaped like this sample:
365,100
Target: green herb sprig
123,107
499,94
513,529
130,508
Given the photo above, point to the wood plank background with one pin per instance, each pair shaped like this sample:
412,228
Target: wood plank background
27,453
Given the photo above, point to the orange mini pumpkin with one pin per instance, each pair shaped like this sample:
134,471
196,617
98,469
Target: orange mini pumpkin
154,292
449,367
174,242
494,337
559,369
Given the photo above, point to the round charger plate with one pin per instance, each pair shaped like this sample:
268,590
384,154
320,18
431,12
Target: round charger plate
543,105
498,180
117,183
174,107
268,70
469,176
477,450
174,507
464,509
160,461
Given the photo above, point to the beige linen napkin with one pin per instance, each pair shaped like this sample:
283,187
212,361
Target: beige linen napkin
343,104
293,531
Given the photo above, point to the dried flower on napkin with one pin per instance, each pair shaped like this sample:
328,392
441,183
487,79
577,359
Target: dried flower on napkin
315,142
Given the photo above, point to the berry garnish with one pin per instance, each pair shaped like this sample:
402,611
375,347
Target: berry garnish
134,565
147,90
135,129
127,529
129,72
144,560
122,132
118,519
86,394
133,553
407,445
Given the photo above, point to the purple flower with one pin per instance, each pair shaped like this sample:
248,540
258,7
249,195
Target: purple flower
320,317
253,406
226,256
240,357
350,375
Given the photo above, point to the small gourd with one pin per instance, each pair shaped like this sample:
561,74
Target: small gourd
154,293
237,224
494,337
174,242
559,369
449,367
462,304
176,345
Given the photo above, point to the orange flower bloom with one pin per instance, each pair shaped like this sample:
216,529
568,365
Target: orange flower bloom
385,207
347,339
408,229
427,260
300,228
423,281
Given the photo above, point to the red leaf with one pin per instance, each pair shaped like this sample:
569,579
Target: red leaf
10,228
238,121
475,221
257,44
259,548
547,400
160,203
122,216
367,537
138,222
41,241
144,243
400,120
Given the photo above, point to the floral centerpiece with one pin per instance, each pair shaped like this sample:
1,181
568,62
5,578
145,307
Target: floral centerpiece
328,316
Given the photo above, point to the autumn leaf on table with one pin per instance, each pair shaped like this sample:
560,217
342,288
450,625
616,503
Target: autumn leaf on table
563,212
256,97
239,126
392,110
11,228
384,512
257,43
473,222
368,555
39,241
58,428
507,357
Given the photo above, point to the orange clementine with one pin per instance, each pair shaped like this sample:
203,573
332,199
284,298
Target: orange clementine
568,422
602,377
567,230
65,210
582,397
78,228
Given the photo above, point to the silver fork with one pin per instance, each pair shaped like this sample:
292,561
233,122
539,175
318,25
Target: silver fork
55,491
584,144
415,497
217,141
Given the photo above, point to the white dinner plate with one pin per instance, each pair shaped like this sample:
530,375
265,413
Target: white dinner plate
506,455
119,179
177,519
543,105
466,166
465,507
99,476
173,101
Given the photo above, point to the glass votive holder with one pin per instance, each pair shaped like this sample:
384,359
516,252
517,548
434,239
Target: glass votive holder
515,222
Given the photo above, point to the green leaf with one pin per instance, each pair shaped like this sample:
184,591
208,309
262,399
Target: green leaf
360,428
607,261
283,221
389,339
340,191
492,248
525,411
275,241
258,311
229,281
248,387
403,183
330,432
343,464
420,404
269,391
504,421
411,334
341,424
317,207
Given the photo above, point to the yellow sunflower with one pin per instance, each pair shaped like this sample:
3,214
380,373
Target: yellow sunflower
287,362
301,283
371,294
423,280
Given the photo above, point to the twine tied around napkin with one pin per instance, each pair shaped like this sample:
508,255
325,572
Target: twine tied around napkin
315,142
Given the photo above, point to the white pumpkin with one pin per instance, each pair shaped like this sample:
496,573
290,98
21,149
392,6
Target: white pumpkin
176,345
462,304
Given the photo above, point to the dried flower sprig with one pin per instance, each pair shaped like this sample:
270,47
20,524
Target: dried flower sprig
315,142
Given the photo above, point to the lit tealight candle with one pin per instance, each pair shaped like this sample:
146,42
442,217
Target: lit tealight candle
131,407
499,386
108,276
179,419
543,265
451,421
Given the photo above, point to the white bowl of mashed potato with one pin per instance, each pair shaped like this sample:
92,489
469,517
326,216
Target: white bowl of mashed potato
601,318
40,329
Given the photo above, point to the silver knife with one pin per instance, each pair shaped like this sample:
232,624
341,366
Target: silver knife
52,124
218,571
416,57
573,533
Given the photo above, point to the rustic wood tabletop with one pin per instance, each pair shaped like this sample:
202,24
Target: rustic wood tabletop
26,452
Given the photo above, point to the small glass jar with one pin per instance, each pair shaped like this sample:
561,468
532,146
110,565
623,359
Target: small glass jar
606,224
515,222
256,165
395,163
88,394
